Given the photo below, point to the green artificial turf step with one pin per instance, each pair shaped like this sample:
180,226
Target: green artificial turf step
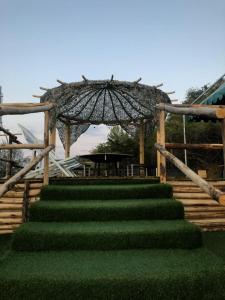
36,236
100,210
106,192
103,181
125,274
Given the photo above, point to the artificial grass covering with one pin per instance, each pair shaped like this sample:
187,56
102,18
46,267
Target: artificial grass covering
100,210
46,261
103,181
100,275
36,236
106,192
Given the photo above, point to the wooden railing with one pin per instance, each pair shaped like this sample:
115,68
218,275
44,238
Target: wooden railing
211,111
203,184
27,108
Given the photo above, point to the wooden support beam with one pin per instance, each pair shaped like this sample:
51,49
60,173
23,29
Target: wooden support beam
52,136
141,144
13,136
67,141
21,146
223,139
203,184
9,184
161,161
194,110
141,147
46,143
194,146
26,108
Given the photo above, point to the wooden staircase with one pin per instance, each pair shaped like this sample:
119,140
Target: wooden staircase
13,202
199,208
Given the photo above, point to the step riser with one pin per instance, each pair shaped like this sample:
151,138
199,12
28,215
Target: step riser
183,240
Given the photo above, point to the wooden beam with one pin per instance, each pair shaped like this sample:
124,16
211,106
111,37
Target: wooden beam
204,185
46,143
194,110
13,136
52,136
141,147
9,184
141,144
194,146
21,109
21,146
161,138
67,140
223,139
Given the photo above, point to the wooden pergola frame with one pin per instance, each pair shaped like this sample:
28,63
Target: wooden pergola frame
210,111
27,108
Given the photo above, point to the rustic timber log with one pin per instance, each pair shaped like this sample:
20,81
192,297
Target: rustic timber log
25,201
68,139
18,176
194,146
13,137
21,146
46,142
223,139
204,185
21,109
161,161
194,110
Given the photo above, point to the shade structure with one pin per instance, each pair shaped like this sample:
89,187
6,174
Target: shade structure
104,102
109,102
76,131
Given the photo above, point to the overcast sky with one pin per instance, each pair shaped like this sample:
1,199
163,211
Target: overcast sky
180,43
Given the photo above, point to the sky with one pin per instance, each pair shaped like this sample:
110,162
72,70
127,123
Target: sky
179,43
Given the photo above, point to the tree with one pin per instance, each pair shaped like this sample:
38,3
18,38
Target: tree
118,141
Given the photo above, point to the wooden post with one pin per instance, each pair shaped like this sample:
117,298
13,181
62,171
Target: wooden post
161,161
52,137
9,163
141,148
223,139
67,144
46,143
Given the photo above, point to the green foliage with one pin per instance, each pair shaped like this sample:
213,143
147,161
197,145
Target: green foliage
118,141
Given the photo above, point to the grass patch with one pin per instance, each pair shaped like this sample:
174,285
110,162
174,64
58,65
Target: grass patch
103,181
36,236
100,210
128,275
106,192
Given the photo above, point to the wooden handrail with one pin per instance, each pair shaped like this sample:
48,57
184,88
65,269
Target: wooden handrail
9,184
194,110
194,146
203,184
24,108
22,146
